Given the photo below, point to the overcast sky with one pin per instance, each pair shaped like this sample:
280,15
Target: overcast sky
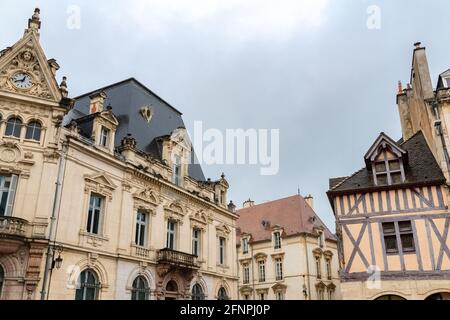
312,69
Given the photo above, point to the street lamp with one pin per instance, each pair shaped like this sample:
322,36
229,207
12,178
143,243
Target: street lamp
57,262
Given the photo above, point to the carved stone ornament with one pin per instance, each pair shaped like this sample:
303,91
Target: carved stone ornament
9,153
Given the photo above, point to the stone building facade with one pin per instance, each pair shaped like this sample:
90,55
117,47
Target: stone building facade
99,197
285,252
392,216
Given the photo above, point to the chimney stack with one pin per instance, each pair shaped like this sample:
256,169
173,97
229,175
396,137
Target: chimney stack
310,201
97,102
249,203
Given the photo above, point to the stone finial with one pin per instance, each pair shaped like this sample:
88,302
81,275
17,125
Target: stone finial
35,22
231,206
63,87
249,203
418,45
128,143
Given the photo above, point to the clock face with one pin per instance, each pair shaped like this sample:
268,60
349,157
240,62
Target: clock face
22,80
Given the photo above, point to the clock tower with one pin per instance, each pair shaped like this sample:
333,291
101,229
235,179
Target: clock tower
32,106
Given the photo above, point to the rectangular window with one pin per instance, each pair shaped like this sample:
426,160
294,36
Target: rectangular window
280,295
318,268
262,271
245,246
141,229
95,214
394,230
171,229
279,269
447,82
262,296
222,251
246,297
104,137
176,179
8,185
246,273
277,240
329,270
330,294
320,294
196,242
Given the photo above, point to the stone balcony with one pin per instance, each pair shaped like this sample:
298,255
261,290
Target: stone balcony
13,234
178,259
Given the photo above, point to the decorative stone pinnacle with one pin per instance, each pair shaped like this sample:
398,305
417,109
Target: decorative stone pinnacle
63,87
35,22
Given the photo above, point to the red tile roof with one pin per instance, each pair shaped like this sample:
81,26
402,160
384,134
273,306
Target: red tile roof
293,215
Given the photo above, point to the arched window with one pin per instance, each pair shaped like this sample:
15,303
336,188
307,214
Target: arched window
88,286
140,289
222,294
197,292
172,286
2,279
13,127
34,129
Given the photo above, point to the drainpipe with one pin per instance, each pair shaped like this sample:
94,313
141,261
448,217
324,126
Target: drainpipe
253,275
307,267
53,222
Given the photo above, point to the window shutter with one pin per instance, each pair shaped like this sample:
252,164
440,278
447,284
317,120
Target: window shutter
11,196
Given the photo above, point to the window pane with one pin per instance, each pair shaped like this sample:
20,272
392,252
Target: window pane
382,179
396,178
405,226
388,228
391,244
380,167
13,127
407,242
394,165
33,131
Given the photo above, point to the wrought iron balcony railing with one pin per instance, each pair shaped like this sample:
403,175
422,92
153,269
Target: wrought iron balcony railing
13,226
177,258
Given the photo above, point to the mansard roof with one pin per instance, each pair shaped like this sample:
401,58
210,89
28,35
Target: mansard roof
293,215
421,168
127,99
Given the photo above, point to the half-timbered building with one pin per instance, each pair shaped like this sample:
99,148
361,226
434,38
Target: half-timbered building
392,216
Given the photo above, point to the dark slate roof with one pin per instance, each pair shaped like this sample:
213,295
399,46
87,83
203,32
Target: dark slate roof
420,169
126,99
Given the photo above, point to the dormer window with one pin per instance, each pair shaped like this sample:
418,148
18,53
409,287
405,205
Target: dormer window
104,137
386,159
447,82
388,170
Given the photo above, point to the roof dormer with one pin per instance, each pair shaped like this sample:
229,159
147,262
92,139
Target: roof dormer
444,80
386,160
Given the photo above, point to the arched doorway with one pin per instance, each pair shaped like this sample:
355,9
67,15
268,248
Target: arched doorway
171,290
439,296
88,286
140,289
390,297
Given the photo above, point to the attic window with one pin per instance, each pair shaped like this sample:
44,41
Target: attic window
447,82
387,169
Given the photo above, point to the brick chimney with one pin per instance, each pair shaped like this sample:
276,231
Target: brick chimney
249,203
310,201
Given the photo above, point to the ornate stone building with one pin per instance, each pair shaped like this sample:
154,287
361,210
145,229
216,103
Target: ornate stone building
392,215
286,252
99,198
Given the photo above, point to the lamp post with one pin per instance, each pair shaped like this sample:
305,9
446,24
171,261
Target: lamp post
57,261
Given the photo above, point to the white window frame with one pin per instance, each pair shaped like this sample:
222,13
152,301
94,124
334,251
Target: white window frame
277,240
10,193
262,271
279,269
91,208
222,250
104,137
245,246
139,225
171,234
447,81
246,273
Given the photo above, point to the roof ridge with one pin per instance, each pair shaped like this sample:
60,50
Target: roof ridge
351,176
271,201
